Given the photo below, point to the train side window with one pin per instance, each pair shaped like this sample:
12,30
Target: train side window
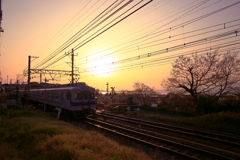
85,95
56,96
46,95
92,96
62,95
52,95
67,96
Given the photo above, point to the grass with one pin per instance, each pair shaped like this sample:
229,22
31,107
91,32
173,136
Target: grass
30,134
223,121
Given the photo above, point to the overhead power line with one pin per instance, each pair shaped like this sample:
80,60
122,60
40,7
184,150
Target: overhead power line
99,32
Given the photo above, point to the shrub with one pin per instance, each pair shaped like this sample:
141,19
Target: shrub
3,110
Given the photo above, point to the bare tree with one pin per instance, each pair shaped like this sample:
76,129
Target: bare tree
143,93
214,74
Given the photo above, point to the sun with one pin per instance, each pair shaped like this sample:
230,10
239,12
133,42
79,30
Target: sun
100,64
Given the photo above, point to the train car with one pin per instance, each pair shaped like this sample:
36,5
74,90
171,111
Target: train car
78,98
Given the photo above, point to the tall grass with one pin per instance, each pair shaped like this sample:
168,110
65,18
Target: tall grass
224,121
29,134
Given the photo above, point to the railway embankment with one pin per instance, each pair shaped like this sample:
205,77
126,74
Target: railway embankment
221,121
31,134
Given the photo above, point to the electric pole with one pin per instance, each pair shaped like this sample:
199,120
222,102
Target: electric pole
113,91
1,30
40,78
73,76
72,66
29,72
29,66
107,88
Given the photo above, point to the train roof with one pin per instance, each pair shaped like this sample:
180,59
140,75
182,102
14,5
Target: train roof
80,85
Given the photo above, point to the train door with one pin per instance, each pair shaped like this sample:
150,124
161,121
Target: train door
86,98
92,101
65,99
78,99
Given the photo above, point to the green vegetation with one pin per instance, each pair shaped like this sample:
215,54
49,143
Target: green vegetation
29,134
222,121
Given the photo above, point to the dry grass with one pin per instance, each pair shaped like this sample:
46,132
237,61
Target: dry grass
82,145
28,134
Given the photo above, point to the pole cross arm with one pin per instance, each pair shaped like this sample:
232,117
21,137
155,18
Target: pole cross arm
44,71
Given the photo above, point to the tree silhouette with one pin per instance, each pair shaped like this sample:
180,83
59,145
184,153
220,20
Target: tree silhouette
143,93
213,74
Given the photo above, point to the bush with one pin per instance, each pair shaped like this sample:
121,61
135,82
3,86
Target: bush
26,112
3,110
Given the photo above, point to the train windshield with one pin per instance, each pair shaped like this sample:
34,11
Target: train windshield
85,95
78,95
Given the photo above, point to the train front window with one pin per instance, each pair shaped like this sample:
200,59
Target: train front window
85,95
78,95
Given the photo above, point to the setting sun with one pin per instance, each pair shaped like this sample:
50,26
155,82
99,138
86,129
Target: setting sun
100,64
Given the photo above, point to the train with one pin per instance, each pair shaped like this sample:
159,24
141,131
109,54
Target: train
78,98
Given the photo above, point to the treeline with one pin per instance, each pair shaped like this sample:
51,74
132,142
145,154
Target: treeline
143,95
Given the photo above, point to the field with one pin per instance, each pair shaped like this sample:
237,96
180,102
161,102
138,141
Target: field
31,134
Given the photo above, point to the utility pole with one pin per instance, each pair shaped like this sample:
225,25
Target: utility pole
72,66
40,78
1,30
29,72
107,88
17,90
73,78
29,66
112,93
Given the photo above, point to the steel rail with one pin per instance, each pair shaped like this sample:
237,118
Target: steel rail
181,150
233,141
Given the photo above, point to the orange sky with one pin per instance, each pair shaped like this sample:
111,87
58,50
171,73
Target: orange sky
39,28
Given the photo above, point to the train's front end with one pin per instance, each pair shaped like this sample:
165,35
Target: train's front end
84,99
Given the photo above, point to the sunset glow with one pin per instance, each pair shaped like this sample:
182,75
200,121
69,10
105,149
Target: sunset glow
100,64
119,42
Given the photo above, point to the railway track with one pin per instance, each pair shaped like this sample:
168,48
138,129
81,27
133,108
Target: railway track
203,134
184,142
